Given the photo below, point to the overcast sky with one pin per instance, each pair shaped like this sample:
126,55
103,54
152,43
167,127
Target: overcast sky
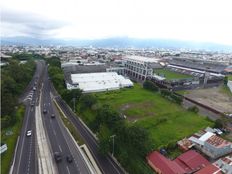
197,20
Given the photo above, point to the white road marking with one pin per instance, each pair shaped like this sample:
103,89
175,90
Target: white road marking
60,148
68,169
54,132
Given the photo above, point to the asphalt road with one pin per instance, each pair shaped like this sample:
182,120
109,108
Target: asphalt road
25,161
105,163
60,140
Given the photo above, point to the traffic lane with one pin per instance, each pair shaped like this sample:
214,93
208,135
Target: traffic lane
26,143
73,167
77,157
31,83
61,142
23,156
57,140
106,164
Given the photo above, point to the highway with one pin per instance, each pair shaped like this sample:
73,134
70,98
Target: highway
59,139
25,159
105,163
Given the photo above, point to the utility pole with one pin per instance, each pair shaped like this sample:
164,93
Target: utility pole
112,136
74,104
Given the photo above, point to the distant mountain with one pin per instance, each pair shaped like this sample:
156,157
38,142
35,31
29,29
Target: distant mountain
119,42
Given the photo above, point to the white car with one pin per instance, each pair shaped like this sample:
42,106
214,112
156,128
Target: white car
29,133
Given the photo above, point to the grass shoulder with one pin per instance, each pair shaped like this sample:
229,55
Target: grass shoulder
11,140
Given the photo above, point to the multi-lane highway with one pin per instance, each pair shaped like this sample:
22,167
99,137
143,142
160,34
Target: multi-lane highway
60,140
105,163
25,160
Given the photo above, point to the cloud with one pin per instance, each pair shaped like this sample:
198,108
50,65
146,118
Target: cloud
28,24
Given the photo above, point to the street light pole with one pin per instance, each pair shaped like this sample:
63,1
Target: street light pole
112,136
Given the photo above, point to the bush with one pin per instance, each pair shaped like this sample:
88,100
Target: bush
150,86
87,101
194,109
219,123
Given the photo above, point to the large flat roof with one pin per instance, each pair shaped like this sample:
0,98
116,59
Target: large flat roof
102,81
142,59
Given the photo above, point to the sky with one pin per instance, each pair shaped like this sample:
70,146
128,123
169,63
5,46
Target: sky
194,20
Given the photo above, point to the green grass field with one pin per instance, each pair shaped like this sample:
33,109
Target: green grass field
230,77
11,140
170,75
166,121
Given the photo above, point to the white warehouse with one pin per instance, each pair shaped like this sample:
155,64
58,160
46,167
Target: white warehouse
98,82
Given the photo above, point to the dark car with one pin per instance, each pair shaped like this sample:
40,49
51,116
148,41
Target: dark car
53,116
45,111
57,156
69,158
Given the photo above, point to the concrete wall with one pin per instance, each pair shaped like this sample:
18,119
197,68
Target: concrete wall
229,84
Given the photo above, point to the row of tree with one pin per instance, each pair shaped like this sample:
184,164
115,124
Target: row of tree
14,79
164,92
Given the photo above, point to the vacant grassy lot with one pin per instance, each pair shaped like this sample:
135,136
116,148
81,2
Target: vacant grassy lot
166,121
170,75
11,140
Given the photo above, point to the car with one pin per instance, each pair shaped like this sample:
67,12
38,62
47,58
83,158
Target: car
29,132
32,103
45,111
57,156
52,115
69,158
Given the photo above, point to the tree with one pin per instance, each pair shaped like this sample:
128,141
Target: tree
138,138
54,61
68,95
219,123
225,80
87,101
104,139
150,85
108,116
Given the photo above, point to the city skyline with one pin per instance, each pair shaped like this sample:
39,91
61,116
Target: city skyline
207,21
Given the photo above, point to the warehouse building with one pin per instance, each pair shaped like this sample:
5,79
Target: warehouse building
98,82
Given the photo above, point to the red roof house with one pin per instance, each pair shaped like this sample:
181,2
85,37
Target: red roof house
210,169
189,161
163,165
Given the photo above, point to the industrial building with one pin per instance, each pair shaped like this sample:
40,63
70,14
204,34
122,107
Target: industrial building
139,68
98,82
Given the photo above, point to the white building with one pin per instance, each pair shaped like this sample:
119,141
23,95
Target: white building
97,82
138,67
211,144
225,164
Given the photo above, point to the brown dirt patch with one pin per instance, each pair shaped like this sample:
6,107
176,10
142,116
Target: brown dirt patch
212,97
